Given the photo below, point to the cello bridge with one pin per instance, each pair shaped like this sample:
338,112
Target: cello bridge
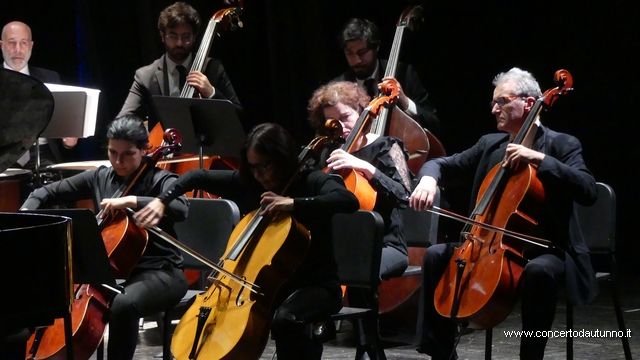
470,236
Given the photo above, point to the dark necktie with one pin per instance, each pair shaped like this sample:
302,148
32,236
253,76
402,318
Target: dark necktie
370,86
182,77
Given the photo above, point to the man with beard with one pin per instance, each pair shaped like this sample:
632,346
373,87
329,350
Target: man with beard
360,40
16,44
178,25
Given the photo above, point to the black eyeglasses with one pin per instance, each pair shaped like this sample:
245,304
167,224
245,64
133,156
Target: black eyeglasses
504,100
261,168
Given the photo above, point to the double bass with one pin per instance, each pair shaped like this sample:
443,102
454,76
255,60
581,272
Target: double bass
231,320
124,242
223,19
419,142
398,301
479,286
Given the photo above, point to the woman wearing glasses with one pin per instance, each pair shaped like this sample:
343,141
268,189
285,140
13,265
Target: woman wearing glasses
269,160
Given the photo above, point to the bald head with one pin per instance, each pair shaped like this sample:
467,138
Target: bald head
16,44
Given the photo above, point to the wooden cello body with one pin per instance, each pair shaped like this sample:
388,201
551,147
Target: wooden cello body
228,321
124,243
485,294
479,286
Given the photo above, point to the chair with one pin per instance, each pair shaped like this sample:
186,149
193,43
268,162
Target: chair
359,267
420,230
598,226
206,230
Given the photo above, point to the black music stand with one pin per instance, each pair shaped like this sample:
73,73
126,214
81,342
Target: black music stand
207,126
90,261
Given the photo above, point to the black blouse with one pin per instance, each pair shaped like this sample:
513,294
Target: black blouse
101,184
392,182
316,195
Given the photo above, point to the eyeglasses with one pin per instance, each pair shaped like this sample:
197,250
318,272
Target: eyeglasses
504,100
261,168
186,37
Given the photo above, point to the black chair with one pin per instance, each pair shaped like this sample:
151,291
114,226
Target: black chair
420,230
206,230
357,239
598,226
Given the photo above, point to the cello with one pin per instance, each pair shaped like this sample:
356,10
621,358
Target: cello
479,286
223,19
124,243
353,180
231,320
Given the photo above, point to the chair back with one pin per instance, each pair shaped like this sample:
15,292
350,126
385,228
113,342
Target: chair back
421,227
207,229
357,239
598,222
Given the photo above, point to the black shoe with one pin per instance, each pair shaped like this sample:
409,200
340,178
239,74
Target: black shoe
325,331
428,346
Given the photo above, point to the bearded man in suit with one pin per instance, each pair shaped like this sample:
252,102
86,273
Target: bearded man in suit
178,25
360,40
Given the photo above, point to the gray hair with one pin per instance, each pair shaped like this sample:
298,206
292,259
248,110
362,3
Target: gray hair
526,84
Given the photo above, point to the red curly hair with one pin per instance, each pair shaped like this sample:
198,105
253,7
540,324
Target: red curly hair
346,92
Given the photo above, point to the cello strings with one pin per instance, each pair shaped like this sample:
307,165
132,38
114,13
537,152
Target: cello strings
168,238
522,237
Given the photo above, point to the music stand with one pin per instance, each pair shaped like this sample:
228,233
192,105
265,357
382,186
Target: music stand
90,261
74,115
207,126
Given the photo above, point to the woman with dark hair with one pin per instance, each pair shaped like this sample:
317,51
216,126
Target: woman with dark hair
269,160
157,281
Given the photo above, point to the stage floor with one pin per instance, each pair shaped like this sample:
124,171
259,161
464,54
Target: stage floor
599,315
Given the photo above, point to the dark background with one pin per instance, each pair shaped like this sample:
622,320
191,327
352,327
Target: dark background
288,48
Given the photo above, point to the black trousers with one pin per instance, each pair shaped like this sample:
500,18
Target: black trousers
539,291
147,292
393,262
292,320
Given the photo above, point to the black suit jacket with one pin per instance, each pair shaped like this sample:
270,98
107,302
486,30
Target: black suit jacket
149,80
565,179
44,75
412,87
